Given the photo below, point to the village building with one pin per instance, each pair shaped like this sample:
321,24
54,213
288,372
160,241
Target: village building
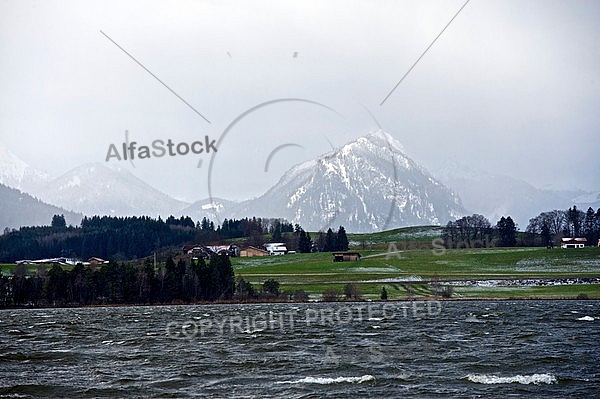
276,248
252,251
345,256
209,251
94,261
573,242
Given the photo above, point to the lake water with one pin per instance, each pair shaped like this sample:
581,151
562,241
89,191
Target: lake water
422,349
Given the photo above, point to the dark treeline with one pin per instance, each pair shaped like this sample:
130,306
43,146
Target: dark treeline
332,241
548,227
116,238
122,238
545,229
116,283
476,231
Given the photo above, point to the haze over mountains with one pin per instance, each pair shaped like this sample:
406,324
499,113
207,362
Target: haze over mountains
367,185
495,195
21,209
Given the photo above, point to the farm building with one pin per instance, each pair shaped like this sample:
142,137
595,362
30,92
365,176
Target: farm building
573,242
253,251
275,248
345,256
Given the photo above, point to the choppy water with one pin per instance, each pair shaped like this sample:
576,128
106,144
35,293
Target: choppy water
463,349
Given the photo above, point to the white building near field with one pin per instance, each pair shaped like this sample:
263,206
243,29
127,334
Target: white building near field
573,242
276,248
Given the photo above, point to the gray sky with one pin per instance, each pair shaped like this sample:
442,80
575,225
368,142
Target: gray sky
511,87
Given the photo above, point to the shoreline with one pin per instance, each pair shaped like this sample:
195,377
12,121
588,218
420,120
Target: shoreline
415,299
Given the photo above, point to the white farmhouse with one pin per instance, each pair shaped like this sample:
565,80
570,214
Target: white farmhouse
570,242
275,248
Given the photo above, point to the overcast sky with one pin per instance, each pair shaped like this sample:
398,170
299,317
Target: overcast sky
511,87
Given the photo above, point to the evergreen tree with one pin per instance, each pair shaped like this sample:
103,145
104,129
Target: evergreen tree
575,220
276,234
56,285
330,241
172,289
222,283
304,242
58,221
590,226
384,294
341,240
507,231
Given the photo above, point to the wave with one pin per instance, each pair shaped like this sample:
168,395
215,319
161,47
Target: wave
329,380
520,379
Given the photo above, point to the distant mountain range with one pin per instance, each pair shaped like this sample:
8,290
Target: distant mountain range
494,195
97,189
21,209
367,185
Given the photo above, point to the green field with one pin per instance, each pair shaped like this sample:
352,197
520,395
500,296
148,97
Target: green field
411,274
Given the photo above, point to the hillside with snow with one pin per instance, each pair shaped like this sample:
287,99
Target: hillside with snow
97,189
367,185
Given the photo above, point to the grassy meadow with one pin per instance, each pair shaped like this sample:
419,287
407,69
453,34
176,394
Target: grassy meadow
411,273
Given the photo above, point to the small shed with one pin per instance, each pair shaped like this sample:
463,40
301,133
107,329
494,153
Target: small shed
253,251
97,261
345,256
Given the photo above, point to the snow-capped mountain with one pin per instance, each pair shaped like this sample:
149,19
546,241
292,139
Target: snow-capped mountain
96,189
16,173
212,209
367,185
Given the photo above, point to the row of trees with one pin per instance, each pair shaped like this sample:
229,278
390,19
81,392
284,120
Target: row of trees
254,229
116,238
333,241
116,283
477,231
548,227
122,238
545,229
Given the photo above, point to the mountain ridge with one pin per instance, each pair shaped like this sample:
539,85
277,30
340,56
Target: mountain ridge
366,185
21,209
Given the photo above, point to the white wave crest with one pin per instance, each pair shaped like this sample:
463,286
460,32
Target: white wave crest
521,379
329,380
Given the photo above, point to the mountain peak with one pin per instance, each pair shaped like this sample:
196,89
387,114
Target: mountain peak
374,140
366,185
379,136
98,188
16,173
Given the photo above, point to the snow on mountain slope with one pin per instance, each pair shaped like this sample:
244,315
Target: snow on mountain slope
366,185
16,173
96,189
